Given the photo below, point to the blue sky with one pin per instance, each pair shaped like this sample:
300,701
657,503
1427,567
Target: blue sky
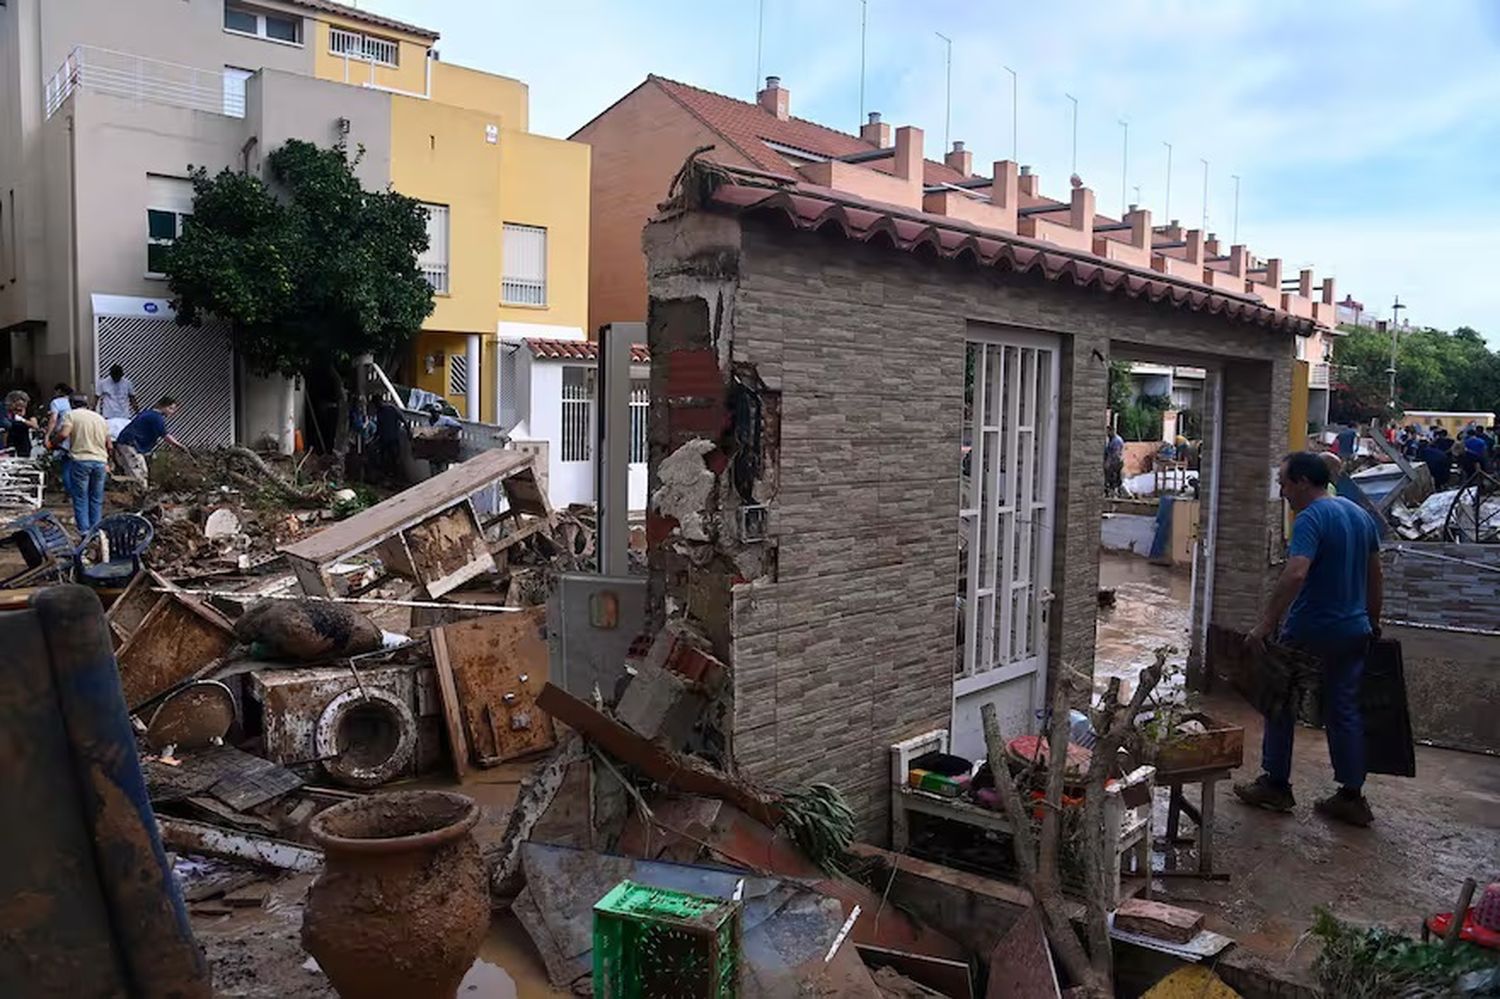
1366,135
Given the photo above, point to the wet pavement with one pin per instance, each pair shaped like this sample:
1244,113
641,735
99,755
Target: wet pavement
1430,832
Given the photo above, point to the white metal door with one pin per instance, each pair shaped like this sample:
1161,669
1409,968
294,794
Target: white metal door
1006,503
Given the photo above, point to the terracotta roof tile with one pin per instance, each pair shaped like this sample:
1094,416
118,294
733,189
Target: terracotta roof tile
579,350
749,126
354,14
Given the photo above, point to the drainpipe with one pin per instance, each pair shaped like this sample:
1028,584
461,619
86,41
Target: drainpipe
73,292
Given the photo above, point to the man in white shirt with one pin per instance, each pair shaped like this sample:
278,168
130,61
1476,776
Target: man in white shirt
114,398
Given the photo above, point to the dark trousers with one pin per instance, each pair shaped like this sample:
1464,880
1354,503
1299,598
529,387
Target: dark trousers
1344,723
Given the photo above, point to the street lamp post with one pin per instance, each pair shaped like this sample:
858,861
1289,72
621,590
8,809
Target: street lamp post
1395,334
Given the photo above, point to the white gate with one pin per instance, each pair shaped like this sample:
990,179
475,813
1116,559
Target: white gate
193,364
1006,523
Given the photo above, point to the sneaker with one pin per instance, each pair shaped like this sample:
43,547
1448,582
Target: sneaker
1345,807
1262,792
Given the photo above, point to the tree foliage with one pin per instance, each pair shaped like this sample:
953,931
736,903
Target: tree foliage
310,270
1434,370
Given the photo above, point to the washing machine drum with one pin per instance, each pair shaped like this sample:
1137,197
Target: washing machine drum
366,737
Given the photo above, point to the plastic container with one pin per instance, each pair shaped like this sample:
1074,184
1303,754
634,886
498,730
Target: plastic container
656,943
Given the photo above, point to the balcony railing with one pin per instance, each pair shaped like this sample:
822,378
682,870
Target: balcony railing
137,78
1317,376
367,48
437,276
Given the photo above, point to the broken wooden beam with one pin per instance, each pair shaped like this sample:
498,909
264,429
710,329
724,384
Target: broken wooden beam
199,837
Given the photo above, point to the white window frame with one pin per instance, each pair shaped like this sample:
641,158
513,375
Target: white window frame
434,261
640,409
235,79
523,289
157,201
576,433
260,23
363,47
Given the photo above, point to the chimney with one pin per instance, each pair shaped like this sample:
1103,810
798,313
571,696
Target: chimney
1004,189
1328,291
1195,247
1273,273
960,159
1028,182
1081,212
909,155
1237,256
1139,220
876,132
775,98
1304,282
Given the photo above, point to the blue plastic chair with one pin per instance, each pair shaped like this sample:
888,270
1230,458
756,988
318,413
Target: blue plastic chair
45,545
129,535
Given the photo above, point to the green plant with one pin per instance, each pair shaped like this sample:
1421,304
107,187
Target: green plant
1379,963
821,822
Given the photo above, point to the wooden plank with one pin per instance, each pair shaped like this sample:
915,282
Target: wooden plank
448,549
408,507
669,769
176,639
458,746
127,613
499,664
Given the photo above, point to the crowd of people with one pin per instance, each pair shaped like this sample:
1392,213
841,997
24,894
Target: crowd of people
1473,450
85,435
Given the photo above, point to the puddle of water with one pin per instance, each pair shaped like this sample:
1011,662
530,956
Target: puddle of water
1151,609
508,967
489,981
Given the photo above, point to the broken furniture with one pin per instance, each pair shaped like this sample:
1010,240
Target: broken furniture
23,481
123,538
431,533
92,906
45,546
178,638
1127,827
1203,758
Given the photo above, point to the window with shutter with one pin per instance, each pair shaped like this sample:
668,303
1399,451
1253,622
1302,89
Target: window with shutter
524,266
434,260
169,202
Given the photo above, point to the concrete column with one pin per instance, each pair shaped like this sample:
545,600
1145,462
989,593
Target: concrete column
471,386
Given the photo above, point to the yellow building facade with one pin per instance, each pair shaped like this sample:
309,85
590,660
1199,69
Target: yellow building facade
510,208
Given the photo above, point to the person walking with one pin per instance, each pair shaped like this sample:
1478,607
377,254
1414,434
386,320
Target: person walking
140,437
1330,594
88,436
114,397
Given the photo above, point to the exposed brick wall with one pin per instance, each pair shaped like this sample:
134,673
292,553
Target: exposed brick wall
843,642
638,144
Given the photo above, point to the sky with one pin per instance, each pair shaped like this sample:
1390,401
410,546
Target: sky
1366,135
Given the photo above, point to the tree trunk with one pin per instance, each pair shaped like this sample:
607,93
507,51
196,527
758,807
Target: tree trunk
341,421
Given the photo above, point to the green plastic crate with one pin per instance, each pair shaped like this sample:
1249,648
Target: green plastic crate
655,943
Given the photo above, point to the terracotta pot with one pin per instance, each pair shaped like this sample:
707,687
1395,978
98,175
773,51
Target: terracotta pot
402,905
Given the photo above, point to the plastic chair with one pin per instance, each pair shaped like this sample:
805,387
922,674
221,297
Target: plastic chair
45,545
129,535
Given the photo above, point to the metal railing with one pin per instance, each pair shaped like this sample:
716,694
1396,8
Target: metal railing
1317,375
367,48
437,276
138,78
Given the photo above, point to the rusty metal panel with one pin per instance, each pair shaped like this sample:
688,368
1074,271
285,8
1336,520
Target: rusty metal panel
499,665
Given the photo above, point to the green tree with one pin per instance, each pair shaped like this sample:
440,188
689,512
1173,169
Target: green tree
1434,370
310,270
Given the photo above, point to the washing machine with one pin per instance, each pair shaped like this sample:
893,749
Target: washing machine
361,732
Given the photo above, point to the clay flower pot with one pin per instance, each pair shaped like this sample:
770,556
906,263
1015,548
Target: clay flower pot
402,905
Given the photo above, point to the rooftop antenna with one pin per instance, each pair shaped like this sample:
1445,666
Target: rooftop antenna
1015,145
1075,132
864,9
760,32
948,99
1235,232
1167,208
1124,163
1205,194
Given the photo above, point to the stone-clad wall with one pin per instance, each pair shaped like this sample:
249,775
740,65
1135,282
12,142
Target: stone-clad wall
841,630
1442,585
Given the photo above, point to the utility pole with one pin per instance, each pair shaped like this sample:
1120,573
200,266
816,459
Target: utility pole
948,89
864,9
1167,208
1075,132
1015,145
1124,164
760,33
1395,335
1205,194
1234,237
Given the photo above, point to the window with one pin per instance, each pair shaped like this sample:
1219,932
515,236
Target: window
434,260
640,406
170,202
234,90
262,23
369,48
577,412
524,264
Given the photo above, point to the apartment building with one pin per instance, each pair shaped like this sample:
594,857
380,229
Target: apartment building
104,106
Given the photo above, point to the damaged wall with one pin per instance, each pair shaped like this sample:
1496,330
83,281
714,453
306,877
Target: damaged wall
837,390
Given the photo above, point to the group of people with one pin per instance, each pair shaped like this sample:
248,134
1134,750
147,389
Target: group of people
1472,451
86,435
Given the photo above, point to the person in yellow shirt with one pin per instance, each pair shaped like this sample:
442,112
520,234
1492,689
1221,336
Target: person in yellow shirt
1335,469
88,435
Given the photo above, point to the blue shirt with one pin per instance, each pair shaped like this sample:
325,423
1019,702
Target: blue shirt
1339,537
1347,441
145,431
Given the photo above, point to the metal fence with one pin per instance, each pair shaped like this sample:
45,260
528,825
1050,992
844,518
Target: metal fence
137,78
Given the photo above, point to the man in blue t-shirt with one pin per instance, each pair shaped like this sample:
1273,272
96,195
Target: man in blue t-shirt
1330,593
140,437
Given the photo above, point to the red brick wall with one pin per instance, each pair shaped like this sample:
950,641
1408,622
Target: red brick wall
639,145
